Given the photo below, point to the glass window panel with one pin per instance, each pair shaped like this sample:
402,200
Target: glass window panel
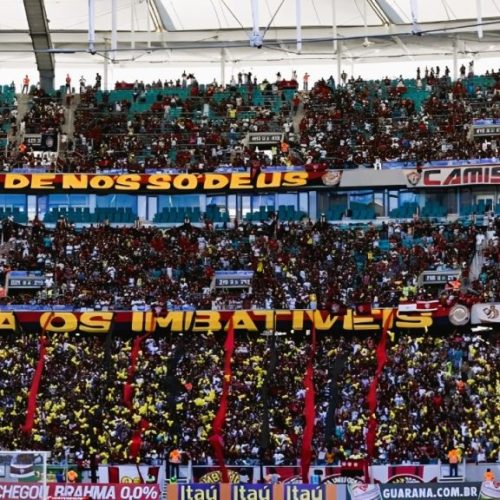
68,200
218,201
246,205
365,197
287,199
186,200
408,197
117,201
304,202
379,204
263,200
13,200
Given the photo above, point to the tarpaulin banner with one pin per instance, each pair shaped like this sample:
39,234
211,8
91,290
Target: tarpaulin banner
60,491
101,322
165,182
211,474
490,490
130,474
485,313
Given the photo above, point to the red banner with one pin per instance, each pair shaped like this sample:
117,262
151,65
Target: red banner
60,491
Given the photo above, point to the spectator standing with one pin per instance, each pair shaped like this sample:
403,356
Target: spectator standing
306,81
68,84
83,83
26,85
453,459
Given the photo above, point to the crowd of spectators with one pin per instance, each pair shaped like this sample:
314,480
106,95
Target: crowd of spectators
45,114
295,265
177,125
436,392
187,126
418,120
45,117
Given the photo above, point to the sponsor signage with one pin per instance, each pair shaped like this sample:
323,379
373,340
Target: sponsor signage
491,130
449,177
256,138
438,277
437,491
245,491
459,315
160,183
60,491
485,313
135,322
233,279
41,142
19,280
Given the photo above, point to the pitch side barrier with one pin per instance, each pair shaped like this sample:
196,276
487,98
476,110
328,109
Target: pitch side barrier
324,491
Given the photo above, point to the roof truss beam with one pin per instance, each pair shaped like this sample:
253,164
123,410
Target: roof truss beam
385,12
41,41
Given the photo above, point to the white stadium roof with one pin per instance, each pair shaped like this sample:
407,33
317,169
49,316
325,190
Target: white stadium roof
200,33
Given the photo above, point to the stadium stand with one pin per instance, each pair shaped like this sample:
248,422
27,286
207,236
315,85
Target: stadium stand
193,127
120,398
295,265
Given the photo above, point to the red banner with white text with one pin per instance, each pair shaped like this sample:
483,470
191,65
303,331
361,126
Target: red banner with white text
60,491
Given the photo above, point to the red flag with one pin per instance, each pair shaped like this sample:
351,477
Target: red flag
309,411
128,389
216,438
128,392
27,427
371,398
136,441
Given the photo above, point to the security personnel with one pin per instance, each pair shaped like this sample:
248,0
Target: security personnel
72,476
453,460
488,475
174,459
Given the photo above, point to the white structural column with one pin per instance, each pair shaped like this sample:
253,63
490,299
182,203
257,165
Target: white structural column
335,31
298,18
337,47
414,14
339,63
255,18
455,58
132,24
91,26
105,70
114,31
148,23
222,67
479,18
